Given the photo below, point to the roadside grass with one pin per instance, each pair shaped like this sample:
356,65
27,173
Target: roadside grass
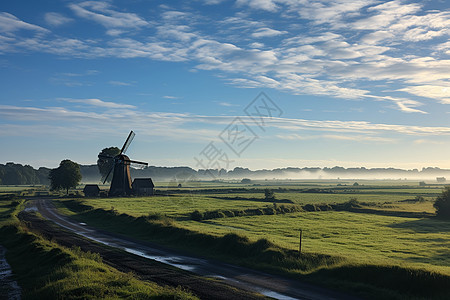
363,254
46,270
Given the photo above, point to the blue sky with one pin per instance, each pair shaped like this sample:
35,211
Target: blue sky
349,83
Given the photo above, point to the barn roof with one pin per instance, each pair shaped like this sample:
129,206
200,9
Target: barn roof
140,183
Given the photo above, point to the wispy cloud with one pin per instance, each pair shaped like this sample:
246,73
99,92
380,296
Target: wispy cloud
104,14
182,126
351,45
99,103
268,5
10,23
267,32
357,127
119,83
227,104
56,19
356,138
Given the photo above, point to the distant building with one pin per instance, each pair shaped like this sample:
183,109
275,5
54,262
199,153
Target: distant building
143,187
91,190
440,179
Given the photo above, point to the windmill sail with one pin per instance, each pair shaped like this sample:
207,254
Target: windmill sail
127,142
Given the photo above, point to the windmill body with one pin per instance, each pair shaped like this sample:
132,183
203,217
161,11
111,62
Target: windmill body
121,180
120,170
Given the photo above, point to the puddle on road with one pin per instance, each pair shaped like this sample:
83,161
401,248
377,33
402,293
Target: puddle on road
8,287
167,260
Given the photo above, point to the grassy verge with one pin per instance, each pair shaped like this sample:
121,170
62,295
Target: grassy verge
371,281
45,270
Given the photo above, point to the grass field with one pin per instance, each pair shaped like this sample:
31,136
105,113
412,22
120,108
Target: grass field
359,237
45,270
353,249
382,249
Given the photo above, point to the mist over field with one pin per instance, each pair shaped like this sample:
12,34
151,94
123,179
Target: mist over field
163,173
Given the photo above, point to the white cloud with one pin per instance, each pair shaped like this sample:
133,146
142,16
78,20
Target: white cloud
438,92
99,103
104,14
256,45
444,47
267,32
364,127
421,34
386,14
332,12
356,138
377,37
56,19
10,23
119,83
227,104
268,5
333,58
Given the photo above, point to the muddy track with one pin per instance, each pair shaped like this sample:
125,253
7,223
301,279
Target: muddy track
144,268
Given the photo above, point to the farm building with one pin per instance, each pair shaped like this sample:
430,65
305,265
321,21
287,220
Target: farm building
91,190
143,186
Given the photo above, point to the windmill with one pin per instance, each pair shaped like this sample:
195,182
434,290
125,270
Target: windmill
120,169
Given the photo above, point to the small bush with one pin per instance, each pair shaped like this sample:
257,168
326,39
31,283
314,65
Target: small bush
309,207
419,199
442,204
269,195
196,215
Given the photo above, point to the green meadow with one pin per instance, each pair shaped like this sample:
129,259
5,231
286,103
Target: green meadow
46,270
376,237
359,237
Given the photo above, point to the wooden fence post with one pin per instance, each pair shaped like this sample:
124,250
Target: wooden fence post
300,244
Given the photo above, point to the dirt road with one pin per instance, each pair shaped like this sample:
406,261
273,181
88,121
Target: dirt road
206,278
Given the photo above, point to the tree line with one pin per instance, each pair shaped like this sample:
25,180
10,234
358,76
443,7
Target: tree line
17,174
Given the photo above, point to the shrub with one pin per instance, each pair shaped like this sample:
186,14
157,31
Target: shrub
196,215
269,194
246,181
309,207
442,204
419,199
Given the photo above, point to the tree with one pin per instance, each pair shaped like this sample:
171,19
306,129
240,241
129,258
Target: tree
104,164
246,181
442,203
66,176
269,194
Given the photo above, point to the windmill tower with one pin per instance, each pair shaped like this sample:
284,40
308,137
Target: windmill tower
120,170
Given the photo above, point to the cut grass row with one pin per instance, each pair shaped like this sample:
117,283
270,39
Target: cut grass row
45,270
368,279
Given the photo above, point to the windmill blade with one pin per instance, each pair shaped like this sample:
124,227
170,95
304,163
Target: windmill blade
107,175
137,162
127,142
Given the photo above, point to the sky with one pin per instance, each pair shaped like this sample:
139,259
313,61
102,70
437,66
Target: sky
260,84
